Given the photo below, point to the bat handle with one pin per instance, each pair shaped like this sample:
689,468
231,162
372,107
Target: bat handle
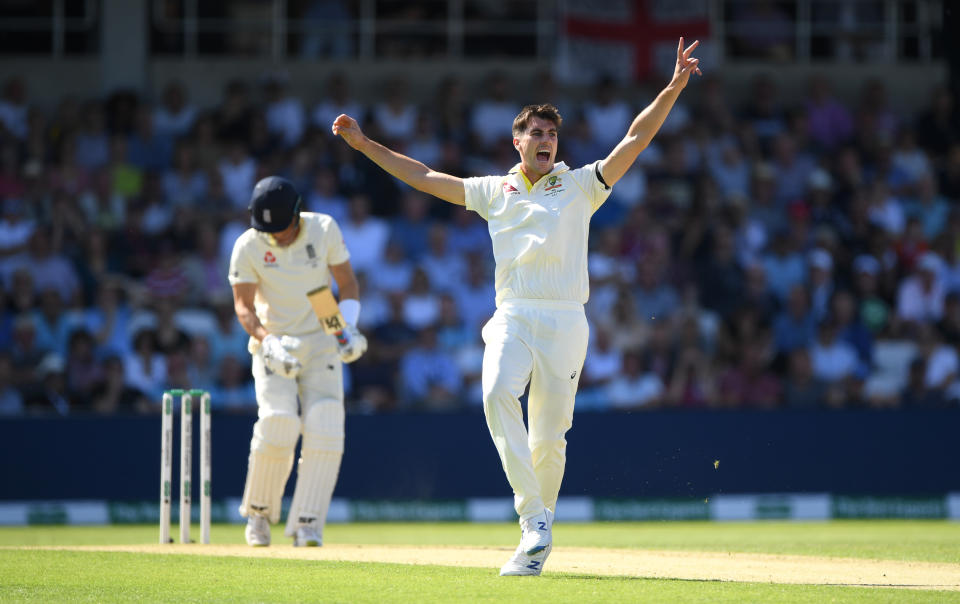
341,337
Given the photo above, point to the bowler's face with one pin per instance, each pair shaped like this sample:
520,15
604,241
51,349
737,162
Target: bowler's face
537,147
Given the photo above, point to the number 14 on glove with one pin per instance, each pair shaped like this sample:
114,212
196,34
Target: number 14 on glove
351,343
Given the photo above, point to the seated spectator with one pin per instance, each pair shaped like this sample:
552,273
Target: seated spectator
495,107
850,328
655,298
750,383
11,399
50,397
941,362
112,395
145,368
336,100
422,306
475,296
411,229
91,147
445,268
820,267
920,296
602,365
693,384
16,228
395,116
607,114
324,196
833,359
635,387
366,236
430,379
784,266
48,267
84,371
802,389
185,184
175,116
233,390
795,326
284,112
917,393
928,206
874,310
148,149
238,171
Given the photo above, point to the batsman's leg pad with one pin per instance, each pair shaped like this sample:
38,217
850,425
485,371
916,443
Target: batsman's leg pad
319,465
271,459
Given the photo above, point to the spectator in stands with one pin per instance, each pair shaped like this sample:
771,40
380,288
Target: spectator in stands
795,326
112,395
148,148
284,112
11,398
430,379
411,229
336,100
92,146
366,235
636,386
145,368
395,116
802,389
828,119
175,116
493,112
49,268
920,296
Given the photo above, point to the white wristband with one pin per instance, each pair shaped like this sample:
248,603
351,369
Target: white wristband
350,309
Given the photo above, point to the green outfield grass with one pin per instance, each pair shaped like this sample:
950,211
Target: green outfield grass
927,540
61,576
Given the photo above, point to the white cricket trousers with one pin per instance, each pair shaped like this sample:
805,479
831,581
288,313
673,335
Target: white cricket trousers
543,343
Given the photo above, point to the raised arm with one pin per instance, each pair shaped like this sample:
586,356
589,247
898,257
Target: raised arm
646,125
414,173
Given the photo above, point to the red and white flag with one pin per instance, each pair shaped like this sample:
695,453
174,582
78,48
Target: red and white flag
628,40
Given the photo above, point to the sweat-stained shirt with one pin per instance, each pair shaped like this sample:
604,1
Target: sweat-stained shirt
539,230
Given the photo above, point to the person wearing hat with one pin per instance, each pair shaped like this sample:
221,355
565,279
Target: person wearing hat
285,254
920,296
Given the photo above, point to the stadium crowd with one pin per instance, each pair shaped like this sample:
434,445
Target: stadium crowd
783,253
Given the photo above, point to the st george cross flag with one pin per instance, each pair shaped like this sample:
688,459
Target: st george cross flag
626,39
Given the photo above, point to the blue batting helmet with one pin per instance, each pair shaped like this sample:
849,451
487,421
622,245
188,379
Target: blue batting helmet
274,205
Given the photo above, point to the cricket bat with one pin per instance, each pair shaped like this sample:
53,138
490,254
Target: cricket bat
327,310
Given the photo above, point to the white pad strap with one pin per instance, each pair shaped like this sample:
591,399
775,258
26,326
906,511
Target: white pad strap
319,465
271,459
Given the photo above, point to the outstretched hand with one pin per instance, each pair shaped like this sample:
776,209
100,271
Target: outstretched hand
349,129
685,64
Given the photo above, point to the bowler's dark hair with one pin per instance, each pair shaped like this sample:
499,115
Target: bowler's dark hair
544,111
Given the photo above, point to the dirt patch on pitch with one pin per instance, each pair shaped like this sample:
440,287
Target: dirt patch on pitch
655,564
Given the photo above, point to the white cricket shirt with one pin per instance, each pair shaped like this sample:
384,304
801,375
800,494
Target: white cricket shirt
284,275
539,230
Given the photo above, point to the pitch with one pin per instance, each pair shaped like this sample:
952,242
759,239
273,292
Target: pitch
862,561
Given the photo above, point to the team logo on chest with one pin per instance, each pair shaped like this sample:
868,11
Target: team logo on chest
311,255
509,189
269,260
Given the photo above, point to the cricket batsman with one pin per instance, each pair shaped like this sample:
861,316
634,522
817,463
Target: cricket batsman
538,218
297,367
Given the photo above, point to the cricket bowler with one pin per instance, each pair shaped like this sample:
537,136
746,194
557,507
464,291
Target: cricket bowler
297,367
538,218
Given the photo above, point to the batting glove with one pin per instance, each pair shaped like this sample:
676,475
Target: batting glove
351,344
277,357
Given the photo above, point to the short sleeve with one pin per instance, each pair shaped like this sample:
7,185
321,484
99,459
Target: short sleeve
588,178
479,191
337,252
241,268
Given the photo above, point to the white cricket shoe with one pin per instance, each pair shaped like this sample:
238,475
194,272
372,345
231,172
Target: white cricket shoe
537,533
258,531
307,536
522,564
